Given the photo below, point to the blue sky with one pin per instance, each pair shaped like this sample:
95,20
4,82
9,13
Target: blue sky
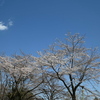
32,25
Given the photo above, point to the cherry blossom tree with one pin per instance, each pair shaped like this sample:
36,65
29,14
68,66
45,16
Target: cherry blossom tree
74,65
20,74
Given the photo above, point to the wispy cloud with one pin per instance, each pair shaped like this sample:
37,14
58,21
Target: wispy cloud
5,27
10,23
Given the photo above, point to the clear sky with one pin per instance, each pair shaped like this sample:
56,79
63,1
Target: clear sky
32,25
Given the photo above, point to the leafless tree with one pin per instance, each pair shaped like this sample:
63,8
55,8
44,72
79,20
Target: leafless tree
51,89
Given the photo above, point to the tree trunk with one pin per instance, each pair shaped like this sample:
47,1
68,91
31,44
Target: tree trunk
73,96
